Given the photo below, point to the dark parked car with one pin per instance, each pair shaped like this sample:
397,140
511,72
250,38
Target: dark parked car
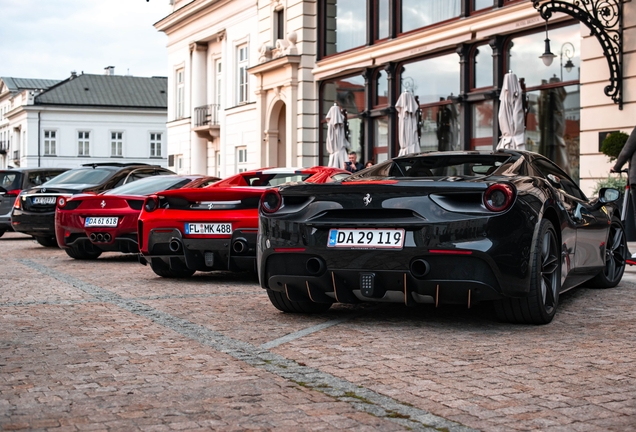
13,181
34,211
506,227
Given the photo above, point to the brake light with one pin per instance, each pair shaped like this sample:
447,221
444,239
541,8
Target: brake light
61,202
17,204
151,204
499,197
14,192
271,201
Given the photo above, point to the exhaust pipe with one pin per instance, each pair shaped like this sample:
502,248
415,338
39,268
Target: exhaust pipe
107,237
240,246
100,237
420,268
174,245
93,237
315,266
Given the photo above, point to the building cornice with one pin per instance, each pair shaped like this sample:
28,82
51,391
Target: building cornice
187,14
275,64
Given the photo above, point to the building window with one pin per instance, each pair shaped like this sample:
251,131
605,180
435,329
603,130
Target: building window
116,144
481,4
241,159
50,143
553,95
217,161
279,24
423,13
382,23
218,80
242,79
180,94
345,26
83,143
482,115
155,144
482,67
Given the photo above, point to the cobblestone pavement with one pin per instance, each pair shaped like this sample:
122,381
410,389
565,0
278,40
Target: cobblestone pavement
107,345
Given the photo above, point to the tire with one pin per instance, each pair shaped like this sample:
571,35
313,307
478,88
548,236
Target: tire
540,306
282,303
47,241
615,254
163,270
82,253
2,232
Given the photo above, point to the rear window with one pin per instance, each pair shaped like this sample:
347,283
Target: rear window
274,179
82,176
149,185
10,180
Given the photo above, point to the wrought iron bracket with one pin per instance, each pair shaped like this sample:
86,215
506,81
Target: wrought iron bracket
604,18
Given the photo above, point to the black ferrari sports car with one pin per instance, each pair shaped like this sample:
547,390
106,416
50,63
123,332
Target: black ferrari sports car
508,227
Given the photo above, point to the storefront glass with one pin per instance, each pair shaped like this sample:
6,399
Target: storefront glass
380,139
345,26
482,4
482,114
383,19
422,13
482,67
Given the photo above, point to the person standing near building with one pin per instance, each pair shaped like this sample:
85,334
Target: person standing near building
628,154
353,165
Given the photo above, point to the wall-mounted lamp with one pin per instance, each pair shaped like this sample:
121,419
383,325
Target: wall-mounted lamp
547,56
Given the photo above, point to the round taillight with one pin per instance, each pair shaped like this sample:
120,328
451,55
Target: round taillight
499,197
61,202
271,201
151,204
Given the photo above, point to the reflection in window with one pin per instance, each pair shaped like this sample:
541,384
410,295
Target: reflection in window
432,79
482,4
345,26
381,89
524,51
383,19
421,13
380,139
440,127
553,126
348,94
482,67
482,124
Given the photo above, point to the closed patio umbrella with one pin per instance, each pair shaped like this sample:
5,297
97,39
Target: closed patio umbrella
510,116
406,107
336,140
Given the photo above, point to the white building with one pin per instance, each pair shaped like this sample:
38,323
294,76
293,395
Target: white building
83,119
241,93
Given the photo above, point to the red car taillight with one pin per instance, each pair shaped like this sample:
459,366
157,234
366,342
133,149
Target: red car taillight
499,197
271,201
61,202
151,204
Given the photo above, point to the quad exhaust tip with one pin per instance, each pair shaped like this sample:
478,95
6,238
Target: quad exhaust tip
174,245
100,237
240,246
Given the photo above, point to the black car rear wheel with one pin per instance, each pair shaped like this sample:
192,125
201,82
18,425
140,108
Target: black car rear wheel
48,241
80,253
282,303
540,306
615,253
162,269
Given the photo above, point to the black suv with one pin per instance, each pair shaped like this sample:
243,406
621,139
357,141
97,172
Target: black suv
13,181
34,211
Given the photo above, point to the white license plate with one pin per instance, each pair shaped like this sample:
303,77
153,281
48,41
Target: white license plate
44,200
208,228
366,238
101,222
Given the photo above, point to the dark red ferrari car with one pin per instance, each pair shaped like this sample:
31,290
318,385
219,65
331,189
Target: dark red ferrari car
88,224
214,228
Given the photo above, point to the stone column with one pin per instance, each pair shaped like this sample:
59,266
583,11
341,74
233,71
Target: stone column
198,146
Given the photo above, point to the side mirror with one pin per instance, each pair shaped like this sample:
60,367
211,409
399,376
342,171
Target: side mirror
608,195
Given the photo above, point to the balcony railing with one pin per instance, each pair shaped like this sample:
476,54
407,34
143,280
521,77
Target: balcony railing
206,115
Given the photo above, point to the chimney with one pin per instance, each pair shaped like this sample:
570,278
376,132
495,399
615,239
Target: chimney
109,70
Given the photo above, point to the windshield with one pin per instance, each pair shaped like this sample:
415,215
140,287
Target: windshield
10,180
81,176
274,179
149,185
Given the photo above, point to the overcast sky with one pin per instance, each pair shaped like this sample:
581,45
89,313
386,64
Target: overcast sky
51,38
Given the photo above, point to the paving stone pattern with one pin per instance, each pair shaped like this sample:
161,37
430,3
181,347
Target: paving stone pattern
108,345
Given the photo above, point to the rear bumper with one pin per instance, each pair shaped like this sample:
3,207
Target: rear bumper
35,224
117,242
237,253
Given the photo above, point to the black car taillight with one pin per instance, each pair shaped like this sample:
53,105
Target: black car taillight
151,204
499,197
271,201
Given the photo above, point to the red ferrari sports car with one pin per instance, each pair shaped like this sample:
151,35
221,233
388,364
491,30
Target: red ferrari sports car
214,228
88,224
